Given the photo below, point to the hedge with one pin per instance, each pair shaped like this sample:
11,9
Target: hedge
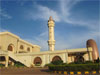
2,65
74,67
18,64
57,62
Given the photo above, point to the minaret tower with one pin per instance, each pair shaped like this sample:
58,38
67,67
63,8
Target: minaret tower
51,41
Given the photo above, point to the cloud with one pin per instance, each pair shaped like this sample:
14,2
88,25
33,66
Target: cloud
64,14
61,42
67,16
66,5
40,40
74,40
3,30
91,24
40,12
43,13
96,33
64,42
22,2
4,15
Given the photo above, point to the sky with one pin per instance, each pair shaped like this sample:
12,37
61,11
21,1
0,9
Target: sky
76,21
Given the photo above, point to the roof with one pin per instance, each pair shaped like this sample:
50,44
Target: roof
78,50
9,33
15,36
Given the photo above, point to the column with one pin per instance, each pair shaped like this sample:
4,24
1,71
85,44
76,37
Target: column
7,60
67,57
43,60
17,48
48,59
89,50
64,58
90,56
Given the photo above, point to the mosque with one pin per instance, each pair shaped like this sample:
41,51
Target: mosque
14,49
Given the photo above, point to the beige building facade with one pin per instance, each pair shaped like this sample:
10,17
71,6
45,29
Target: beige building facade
14,48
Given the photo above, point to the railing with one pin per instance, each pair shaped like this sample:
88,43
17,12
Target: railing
16,58
3,52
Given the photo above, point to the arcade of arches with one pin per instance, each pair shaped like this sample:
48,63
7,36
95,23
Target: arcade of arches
38,60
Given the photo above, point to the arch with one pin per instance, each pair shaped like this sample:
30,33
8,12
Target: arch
28,49
11,61
79,58
11,47
21,47
37,61
0,47
2,58
55,58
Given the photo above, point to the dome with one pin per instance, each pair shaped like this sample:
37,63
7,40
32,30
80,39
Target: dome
95,52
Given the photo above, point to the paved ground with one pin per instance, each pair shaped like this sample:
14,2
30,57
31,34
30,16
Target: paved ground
28,71
25,71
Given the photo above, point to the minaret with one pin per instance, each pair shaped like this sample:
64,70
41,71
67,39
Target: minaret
51,41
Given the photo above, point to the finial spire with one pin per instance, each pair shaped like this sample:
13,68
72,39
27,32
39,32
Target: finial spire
50,18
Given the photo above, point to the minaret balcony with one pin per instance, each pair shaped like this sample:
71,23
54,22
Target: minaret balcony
51,42
51,24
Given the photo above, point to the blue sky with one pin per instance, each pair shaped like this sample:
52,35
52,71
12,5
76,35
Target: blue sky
76,21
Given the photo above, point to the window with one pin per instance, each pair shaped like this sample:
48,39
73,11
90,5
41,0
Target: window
28,49
10,48
21,47
0,47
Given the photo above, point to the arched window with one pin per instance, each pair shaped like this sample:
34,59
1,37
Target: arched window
10,47
28,49
0,47
79,58
56,58
21,47
38,61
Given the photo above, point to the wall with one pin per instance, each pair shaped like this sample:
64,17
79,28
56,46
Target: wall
7,38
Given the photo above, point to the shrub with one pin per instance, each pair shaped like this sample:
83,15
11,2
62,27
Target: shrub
88,62
97,61
57,62
72,63
2,65
37,64
49,64
74,67
18,64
